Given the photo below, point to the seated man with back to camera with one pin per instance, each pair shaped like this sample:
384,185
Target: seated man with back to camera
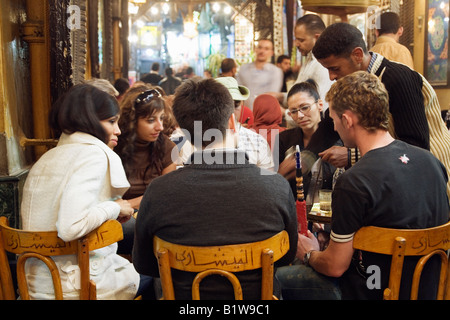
384,188
217,199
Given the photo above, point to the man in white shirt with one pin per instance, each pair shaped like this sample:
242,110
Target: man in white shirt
254,145
307,30
260,76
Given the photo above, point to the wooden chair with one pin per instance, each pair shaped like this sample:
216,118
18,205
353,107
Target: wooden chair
43,245
222,260
408,242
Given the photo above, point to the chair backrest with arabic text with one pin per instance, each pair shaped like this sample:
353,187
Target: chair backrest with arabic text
223,260
44,245
408,242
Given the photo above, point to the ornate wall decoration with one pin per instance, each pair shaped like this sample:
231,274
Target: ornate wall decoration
260,13
60,49
78,38
106,71
10,196
101,39
93,38
436,50
278,42
263,20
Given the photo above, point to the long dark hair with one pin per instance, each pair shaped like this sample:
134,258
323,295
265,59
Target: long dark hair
81,109
130,113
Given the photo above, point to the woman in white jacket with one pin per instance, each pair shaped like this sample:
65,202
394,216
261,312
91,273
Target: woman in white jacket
74,188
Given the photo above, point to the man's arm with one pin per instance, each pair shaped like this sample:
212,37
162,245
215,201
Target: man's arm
144,259
336,156
332,262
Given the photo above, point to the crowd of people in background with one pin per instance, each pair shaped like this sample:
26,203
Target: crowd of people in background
137,153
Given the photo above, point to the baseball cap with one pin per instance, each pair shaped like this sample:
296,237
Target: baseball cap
237,92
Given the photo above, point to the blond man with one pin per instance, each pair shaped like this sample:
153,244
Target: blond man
384,188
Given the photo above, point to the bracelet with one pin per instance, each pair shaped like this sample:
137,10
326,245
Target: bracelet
354,156
306,257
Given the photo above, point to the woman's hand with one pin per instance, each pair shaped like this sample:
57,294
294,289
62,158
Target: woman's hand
126,210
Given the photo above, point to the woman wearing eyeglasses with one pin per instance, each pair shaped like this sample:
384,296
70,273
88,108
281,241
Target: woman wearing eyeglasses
143,147
74,188
305,107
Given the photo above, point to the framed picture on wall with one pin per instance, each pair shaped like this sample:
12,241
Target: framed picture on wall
437,68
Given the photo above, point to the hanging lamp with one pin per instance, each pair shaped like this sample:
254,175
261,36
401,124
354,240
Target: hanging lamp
339,8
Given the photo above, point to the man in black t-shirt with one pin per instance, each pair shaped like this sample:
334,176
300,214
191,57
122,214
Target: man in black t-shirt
393,185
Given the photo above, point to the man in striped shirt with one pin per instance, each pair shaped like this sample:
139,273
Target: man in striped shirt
413,104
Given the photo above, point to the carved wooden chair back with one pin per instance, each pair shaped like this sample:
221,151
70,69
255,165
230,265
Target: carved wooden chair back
44,245
222,260
408,242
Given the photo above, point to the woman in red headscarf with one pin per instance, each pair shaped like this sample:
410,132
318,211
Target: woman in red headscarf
267,117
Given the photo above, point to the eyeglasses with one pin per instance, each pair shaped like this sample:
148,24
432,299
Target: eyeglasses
304,110
148,95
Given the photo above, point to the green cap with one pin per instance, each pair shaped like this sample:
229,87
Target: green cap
238,92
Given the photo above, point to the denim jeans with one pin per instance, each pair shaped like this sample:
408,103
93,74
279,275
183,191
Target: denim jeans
299,282
146,288
125,246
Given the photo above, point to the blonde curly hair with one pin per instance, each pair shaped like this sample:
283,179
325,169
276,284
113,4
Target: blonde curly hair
363,94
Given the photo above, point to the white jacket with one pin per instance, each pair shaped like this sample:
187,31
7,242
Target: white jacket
70,190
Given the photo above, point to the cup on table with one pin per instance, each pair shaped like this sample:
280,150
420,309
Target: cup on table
325,199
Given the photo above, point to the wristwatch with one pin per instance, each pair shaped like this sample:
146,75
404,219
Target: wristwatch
306,257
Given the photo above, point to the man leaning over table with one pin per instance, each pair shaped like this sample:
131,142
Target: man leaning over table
384,188
413,103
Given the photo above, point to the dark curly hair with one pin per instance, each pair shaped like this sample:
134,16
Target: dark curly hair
130,113
339,39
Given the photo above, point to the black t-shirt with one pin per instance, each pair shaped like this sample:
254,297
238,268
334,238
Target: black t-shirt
397,186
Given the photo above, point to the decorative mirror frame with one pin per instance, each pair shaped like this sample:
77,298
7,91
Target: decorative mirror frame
436,62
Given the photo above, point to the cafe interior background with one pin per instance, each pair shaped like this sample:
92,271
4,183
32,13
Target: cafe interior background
46,46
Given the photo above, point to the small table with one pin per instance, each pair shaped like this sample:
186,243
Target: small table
316,215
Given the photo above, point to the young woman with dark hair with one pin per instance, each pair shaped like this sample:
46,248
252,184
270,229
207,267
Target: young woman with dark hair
305,107
74,188
143,147
146,152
